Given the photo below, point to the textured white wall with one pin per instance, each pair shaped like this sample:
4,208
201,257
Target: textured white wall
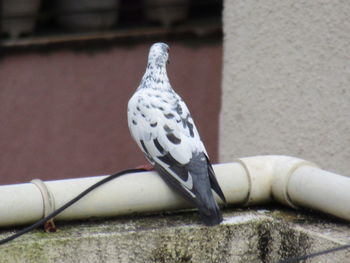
286,81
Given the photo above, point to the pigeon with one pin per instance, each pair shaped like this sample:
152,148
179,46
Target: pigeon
161,124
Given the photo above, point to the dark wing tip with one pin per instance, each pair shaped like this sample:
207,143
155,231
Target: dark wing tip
213,181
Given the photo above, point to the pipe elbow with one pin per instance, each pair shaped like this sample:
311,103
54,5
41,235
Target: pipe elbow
269,176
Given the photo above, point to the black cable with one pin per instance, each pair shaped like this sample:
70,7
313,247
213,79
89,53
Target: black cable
68,204
297,259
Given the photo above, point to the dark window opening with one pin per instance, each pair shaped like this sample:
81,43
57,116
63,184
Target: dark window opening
28,22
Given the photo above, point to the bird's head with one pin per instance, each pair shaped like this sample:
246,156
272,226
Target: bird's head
158,55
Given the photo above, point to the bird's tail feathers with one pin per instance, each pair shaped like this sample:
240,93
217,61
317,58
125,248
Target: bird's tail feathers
210,214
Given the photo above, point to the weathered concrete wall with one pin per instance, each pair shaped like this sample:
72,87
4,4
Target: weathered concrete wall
286,81
244,236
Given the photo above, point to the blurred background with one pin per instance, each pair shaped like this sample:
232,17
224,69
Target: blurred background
260,77
68,68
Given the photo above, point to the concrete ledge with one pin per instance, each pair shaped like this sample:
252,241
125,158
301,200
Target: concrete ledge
256,235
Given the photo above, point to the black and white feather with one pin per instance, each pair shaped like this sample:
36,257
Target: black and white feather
161,125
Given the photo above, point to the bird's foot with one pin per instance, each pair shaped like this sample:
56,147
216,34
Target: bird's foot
146,167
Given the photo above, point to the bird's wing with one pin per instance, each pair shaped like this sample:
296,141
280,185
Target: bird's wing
213,181
163,128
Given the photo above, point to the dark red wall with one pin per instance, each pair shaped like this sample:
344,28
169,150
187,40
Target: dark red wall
63,112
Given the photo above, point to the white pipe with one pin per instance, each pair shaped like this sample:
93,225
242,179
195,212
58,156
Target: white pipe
320,190
248,181
132,193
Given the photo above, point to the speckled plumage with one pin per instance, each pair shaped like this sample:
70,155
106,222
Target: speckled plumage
162,126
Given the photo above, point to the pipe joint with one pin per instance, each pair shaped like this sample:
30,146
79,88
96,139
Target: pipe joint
48,203
259,173
284,168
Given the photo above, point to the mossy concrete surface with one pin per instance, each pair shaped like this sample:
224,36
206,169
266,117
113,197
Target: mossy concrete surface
249,235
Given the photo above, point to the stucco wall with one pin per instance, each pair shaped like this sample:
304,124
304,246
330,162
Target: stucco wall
286,81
